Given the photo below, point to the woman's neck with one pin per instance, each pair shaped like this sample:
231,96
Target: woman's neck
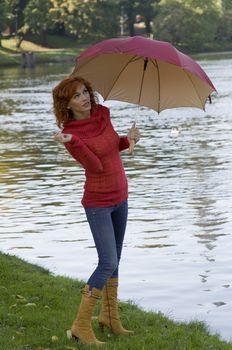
82,116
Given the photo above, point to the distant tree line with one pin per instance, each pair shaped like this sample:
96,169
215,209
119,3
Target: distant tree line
193,25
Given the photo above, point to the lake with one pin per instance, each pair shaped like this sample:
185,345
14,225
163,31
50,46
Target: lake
177,253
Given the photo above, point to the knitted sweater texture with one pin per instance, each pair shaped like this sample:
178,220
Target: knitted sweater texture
96,145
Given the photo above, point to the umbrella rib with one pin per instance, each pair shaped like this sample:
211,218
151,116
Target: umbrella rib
141,85
155,63
115,80
190,78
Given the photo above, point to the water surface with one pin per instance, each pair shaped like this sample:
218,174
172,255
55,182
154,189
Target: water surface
177,252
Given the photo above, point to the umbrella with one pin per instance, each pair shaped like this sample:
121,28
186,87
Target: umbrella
146,72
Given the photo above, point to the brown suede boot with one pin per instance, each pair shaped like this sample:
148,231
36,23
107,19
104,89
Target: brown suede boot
81,328
109,315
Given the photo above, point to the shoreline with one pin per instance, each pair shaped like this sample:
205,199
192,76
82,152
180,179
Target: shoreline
42,55
33,304
16,60
10,56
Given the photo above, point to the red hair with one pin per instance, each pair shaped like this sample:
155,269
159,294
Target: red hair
62,94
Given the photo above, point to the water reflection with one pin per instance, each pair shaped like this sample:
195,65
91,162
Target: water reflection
179,227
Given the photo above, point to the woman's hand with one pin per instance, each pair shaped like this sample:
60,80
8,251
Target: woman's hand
133,137
62,138
133,134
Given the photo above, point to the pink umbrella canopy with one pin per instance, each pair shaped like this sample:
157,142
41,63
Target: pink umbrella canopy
146,72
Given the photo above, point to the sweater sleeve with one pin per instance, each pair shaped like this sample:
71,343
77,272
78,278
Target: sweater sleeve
123,140
79,151
123,143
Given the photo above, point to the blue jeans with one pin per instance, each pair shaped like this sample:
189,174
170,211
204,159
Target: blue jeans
108,227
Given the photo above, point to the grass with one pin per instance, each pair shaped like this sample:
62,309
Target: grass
213,55
10,55
37,309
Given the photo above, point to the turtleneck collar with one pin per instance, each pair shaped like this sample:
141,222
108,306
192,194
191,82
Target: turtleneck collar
90,127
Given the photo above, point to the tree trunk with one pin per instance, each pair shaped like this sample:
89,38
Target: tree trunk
43,38
148,25
19,41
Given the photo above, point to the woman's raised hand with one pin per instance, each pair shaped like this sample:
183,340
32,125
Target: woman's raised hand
133,137
62,138
133,134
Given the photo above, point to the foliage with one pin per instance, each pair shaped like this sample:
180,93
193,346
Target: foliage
37,19
13,15
5,15
193,25
189,24
88,20
224,30
138,7
2,15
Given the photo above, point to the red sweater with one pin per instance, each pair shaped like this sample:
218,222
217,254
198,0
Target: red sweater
96,145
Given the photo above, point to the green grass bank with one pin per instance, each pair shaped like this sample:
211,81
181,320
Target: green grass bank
61,49
10,55
37,308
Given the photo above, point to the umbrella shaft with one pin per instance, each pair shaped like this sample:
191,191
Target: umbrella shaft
145,64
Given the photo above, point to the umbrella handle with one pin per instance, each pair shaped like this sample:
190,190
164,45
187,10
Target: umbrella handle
132,142
131,147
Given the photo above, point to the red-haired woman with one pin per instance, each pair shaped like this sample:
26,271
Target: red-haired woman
88,135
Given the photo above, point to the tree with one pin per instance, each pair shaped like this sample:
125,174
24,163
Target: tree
188,24
36,18
2,19
146,9
86,20
8,18
224,30
101,26
128,7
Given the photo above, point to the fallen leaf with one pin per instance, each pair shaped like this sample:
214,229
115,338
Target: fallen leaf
69,334
22,301
30,304
3,287
54,338
18,333
18,296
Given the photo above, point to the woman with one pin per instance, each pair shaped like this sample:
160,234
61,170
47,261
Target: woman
88,135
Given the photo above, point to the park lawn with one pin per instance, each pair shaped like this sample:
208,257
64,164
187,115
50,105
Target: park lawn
11,56
37,309
10,44
8,58
62,49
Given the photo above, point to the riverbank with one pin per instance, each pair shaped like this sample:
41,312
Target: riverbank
12,56
37,309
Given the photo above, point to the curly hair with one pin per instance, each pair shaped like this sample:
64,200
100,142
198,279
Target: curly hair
62,94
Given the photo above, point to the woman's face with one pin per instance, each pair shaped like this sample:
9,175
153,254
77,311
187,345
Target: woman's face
80,103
